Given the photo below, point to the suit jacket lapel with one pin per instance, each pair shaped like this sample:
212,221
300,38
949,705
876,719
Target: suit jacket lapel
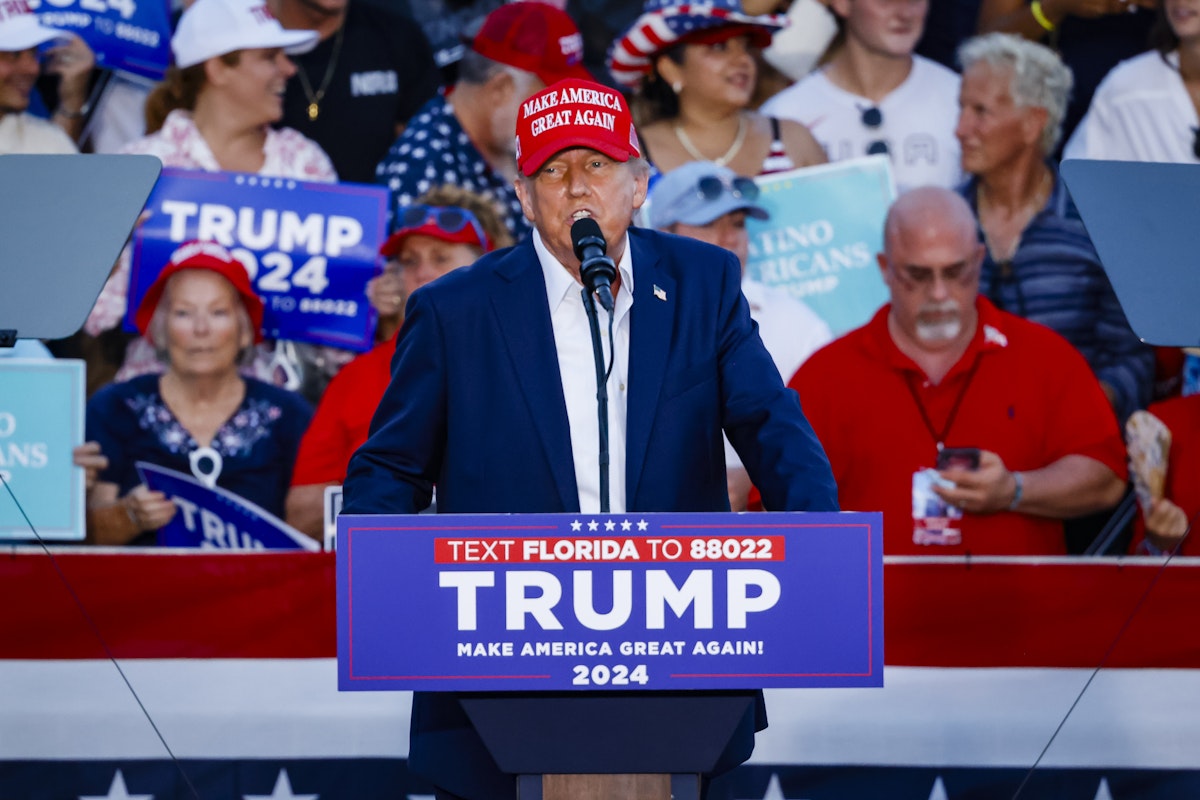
649,345
519,303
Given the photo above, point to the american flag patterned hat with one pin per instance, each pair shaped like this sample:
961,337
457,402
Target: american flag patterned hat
664,23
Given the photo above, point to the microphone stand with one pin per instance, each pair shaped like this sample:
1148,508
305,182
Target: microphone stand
589,305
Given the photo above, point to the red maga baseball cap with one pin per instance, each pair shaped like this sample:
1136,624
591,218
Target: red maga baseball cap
450,224
574,113
214,258
535,37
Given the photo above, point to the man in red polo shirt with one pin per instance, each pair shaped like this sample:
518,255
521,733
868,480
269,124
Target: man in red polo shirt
972,429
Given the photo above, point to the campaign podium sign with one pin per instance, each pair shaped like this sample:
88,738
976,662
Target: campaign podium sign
41,420
825,230
625,602
309,248
212,518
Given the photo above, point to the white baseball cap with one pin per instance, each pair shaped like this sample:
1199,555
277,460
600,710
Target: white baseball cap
20,29
211,28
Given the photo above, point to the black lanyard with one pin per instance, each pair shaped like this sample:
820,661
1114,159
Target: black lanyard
939,437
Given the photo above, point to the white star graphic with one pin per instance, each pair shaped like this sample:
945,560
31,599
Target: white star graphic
626,525
642,524
576,525
593,525
939,790
117,791
610,526
774,789
1102,791
421,797
282,791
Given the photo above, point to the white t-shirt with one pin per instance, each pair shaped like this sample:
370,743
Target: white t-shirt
919,118
789,329
1140,112
22,133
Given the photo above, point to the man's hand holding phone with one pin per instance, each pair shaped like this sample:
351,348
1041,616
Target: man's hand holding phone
982,483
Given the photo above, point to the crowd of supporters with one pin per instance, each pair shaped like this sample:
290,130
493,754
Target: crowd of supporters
972,103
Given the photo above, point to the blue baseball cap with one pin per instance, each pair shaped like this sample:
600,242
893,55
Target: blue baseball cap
698,193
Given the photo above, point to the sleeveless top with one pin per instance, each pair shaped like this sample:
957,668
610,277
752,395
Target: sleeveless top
777,159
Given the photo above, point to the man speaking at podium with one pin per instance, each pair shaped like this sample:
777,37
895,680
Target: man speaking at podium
493,396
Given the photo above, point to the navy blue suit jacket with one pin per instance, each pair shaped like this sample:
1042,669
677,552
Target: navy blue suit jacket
476,407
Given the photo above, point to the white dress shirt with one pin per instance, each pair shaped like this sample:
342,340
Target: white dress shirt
576,366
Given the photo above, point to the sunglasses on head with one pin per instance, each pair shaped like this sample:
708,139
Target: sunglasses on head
450,219
872,118
710,187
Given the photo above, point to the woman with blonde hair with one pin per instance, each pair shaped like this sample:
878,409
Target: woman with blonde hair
200,415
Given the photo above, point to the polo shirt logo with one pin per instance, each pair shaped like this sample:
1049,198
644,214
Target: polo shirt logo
993,336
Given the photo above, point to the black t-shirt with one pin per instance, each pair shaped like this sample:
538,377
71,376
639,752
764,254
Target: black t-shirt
384,72
445,23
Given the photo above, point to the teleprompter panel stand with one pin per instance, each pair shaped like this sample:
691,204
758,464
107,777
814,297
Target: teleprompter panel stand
63,222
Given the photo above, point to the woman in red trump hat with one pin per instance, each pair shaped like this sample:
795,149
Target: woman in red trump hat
450,227
200,417
693,72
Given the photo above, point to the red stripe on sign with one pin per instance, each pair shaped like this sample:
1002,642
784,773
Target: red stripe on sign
282,605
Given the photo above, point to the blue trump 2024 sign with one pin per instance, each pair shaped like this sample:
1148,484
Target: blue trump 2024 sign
310,248
623,601
129,35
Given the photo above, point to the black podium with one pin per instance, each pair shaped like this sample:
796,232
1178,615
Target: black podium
561,746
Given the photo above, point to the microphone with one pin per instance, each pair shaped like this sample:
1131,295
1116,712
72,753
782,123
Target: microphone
596,270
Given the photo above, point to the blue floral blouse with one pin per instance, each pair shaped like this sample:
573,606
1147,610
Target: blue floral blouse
257,444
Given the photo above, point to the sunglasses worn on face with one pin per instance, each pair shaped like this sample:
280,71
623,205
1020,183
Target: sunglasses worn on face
872,118
710,187
450,219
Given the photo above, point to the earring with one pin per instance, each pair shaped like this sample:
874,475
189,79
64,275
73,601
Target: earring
677,87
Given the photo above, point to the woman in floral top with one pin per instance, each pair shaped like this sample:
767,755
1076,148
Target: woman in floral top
200,416
213,112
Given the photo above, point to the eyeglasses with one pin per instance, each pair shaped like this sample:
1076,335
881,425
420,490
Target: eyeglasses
710,187
872,118
450,219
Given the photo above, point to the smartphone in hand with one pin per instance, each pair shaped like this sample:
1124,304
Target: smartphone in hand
961,457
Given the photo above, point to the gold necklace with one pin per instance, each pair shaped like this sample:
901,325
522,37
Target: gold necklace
314,98
738,139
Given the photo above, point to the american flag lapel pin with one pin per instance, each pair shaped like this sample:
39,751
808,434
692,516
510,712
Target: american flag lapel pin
659,293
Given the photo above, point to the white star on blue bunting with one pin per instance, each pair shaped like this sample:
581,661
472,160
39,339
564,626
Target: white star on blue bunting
117,791
282,791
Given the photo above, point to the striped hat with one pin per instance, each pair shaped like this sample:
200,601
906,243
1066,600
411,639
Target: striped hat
664,23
